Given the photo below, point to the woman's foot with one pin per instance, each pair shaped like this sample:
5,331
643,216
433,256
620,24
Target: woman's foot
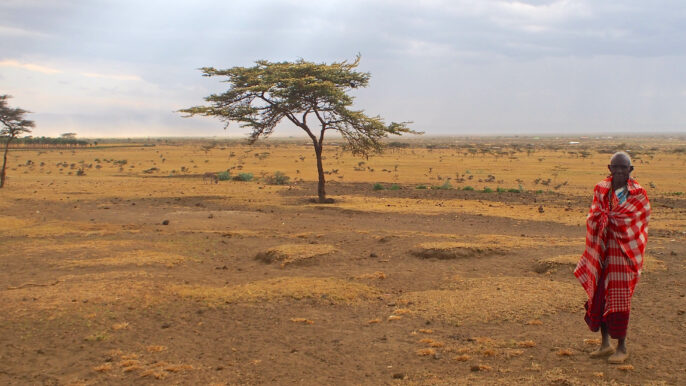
603,351
618,357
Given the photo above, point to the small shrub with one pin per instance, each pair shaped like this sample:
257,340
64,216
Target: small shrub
378,186
500,190
487,190
278,178
224,176
394,187
539,192
514,190
421,187
469,188
446,186
243,177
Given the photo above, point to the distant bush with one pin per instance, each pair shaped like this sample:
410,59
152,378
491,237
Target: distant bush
500,190
243,177
469,188
224,176
539,192
394,187
378,186
513,190
446,186
421,187
487,190
278,179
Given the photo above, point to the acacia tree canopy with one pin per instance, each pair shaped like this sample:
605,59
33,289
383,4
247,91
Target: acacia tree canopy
13,124
261,96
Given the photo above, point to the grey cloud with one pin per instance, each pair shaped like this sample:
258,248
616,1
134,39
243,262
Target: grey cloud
609,65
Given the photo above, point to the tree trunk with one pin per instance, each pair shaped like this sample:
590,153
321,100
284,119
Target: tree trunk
320,170
4,163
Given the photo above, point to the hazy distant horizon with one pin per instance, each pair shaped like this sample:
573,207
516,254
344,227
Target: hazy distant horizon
304,137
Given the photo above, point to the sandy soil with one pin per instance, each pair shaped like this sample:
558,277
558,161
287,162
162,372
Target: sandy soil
96,290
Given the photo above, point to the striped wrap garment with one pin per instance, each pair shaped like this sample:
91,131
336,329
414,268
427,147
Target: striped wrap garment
619,232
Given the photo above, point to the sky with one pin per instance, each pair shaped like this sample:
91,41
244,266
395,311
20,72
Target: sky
123,68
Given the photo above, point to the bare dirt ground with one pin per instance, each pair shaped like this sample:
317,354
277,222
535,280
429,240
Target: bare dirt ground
125,277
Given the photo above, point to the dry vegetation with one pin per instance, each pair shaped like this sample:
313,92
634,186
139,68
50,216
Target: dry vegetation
442,261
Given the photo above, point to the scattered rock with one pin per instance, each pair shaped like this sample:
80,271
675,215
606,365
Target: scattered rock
399,376
165,222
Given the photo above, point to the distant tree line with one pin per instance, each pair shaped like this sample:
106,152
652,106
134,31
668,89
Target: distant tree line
45,142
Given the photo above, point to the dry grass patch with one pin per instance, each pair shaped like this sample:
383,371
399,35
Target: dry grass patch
292,253
557,214
120,326
526,343
650,263
31,229
11,224
105,367
482,245
378,275
565,352
498,298
302,321
73,248
423,352
481,367
136,257
73,291
282,288
153,373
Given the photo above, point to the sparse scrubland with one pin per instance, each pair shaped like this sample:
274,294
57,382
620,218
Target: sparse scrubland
440,261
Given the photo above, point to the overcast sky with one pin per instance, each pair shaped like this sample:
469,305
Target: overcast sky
122,68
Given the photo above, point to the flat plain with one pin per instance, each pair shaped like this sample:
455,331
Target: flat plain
441,261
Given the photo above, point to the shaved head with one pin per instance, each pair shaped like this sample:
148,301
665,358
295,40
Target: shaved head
620,155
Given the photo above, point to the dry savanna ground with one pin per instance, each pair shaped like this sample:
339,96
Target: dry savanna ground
444,262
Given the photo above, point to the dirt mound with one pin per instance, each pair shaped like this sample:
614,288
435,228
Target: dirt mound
481,300
453,250
292,253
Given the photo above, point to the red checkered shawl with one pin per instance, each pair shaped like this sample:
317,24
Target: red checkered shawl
624,226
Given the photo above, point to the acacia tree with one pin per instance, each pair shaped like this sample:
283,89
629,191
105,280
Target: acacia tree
13,124
261,96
